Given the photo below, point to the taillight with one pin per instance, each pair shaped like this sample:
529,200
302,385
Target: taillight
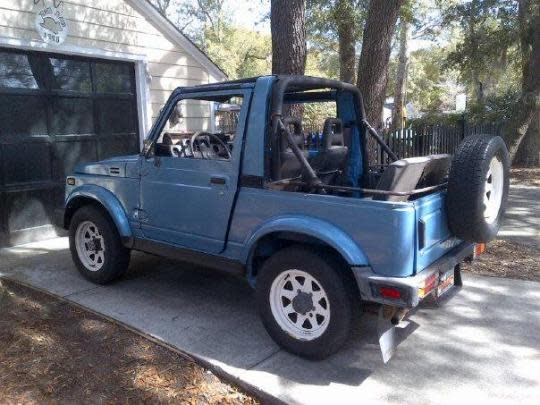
479,248
429,284
390,292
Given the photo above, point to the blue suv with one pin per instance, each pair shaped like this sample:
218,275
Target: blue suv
231,177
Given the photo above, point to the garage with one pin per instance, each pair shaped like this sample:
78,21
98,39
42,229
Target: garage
79,83
57,111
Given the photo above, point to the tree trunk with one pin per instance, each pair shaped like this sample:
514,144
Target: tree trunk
287,23
401,80
373,66
478,89
346,26
520,134
526,31
528,153
474,12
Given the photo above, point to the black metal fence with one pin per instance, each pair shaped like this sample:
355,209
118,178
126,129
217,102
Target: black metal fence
419,140
428,140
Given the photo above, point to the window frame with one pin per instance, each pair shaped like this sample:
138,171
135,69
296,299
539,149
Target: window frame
175,98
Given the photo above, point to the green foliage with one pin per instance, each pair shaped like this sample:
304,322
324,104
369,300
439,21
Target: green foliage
240,52
497,109
237,51
474,41
485,54
436,118
316,113
430,87
321,25
322,64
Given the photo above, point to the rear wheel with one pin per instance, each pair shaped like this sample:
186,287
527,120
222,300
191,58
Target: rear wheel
96,247
305,302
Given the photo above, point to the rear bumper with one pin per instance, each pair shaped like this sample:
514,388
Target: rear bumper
410,287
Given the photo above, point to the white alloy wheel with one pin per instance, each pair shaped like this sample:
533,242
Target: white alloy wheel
90,246
493,190
299,304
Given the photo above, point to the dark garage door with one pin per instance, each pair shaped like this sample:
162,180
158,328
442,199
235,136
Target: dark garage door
55,112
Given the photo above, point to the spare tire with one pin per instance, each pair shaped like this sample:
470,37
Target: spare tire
478,188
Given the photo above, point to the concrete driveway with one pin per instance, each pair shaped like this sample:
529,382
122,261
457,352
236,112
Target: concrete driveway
483,344
522,221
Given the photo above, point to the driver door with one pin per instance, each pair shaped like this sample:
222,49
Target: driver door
186,198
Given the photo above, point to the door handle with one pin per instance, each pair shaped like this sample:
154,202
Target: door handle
218,180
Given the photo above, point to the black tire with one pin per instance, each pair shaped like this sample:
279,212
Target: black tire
116,256
467,186
332,277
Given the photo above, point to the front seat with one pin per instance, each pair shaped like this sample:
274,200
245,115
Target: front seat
334,145
332,157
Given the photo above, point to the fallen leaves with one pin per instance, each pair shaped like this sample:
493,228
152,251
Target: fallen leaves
54,352
509,260
525,176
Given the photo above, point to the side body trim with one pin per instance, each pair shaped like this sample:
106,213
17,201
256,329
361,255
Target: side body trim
196,257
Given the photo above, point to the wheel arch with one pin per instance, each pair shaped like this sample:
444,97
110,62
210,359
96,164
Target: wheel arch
91,194
280,232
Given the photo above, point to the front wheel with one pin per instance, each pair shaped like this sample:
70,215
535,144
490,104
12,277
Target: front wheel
96,247
305,302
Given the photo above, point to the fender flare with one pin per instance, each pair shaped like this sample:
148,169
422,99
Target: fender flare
108,201
309,226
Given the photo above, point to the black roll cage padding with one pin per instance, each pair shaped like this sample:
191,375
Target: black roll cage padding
309,96
286,85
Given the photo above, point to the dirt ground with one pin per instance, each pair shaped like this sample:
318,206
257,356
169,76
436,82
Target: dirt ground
53,352
507,259
525,176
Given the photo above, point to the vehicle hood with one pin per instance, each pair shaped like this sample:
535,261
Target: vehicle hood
119,166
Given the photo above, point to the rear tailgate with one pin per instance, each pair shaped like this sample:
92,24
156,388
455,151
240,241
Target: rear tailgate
433,236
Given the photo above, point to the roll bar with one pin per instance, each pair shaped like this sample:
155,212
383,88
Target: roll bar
292,83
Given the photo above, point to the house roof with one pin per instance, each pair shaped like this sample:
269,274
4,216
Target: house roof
164,25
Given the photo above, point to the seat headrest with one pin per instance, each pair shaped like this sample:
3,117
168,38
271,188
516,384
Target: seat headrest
167,139
332,132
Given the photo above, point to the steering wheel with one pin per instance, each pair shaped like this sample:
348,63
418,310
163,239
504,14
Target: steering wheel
208,152
177,151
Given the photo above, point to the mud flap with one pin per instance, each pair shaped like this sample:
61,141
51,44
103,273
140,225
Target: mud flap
386,332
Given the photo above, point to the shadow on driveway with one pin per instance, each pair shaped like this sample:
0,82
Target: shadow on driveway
481,344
